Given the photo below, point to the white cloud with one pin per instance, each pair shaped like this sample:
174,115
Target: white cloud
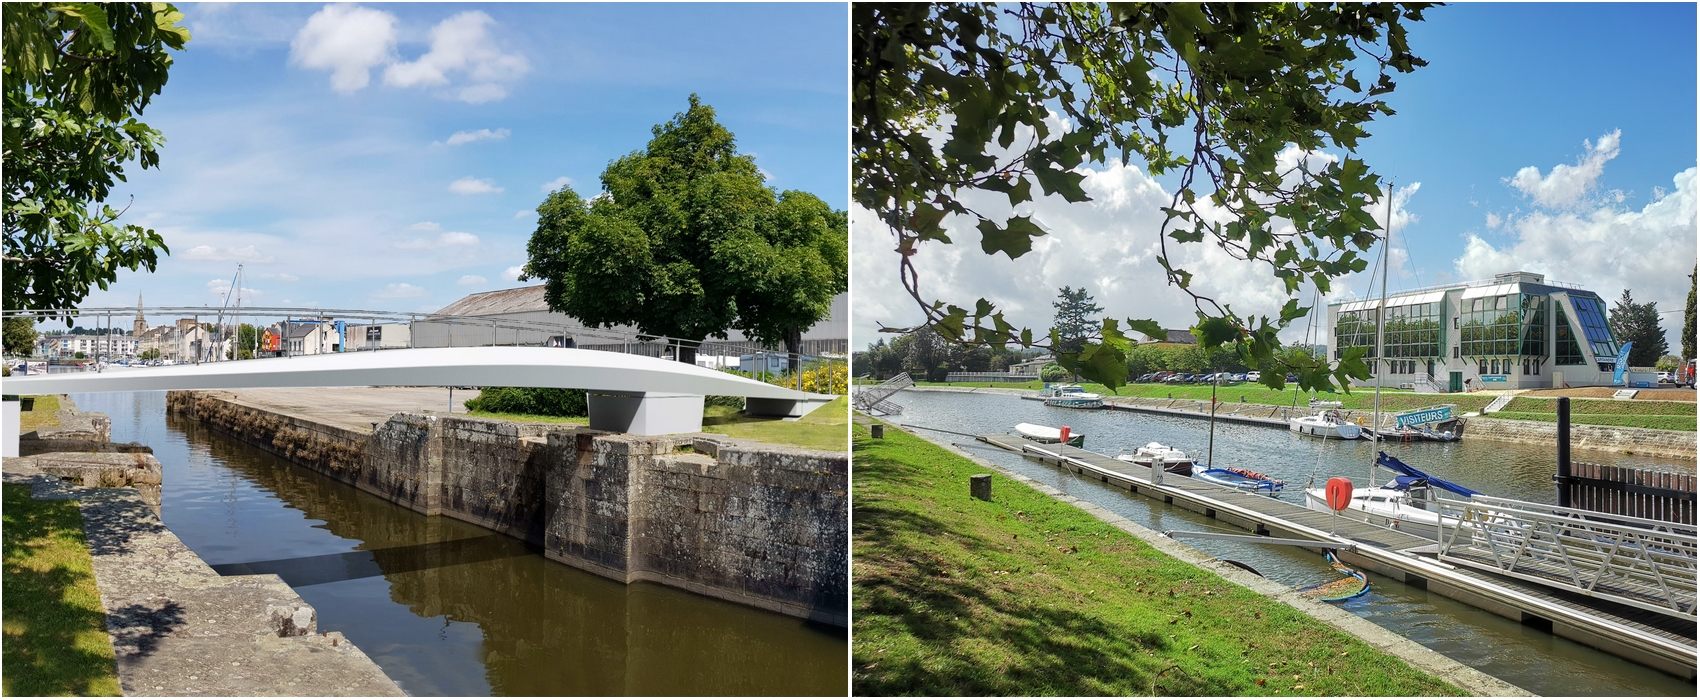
469,280
245,254
462,45
1566,185
524,213
279,276
448,239
1493,220
512,274
557,183
348,40
221,287
464,137
471,185
401,290
1650,251
426,226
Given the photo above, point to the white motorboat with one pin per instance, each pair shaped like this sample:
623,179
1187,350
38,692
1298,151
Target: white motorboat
1048,435
1071,396
1388,506
1327,425
1174,461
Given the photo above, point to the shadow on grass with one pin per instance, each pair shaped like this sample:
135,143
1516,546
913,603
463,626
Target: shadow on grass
55,634
902,588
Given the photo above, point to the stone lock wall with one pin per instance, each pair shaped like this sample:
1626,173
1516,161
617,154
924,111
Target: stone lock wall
762,525
1670,443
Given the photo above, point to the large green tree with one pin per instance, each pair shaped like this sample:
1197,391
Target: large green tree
687,241
1076,319
953,98
1639,323
1688,318
77,75
19,335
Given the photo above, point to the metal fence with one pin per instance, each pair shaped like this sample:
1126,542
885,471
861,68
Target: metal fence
990,377
1639,493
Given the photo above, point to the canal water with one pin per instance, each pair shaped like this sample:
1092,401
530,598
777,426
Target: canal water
1529,658
450,608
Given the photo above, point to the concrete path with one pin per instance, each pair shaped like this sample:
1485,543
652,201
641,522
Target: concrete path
355,408
178,628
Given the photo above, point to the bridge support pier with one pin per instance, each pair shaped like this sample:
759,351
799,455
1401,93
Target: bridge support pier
640,413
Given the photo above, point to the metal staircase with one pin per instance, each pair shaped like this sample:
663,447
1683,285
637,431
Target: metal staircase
872,400
1498,404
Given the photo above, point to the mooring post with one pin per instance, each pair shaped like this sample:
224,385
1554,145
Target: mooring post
878,431
980,486
1562,478
1157,469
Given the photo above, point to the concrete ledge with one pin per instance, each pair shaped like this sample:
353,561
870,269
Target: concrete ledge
785,408
1417,655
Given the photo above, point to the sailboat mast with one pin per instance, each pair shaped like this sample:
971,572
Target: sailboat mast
1381,332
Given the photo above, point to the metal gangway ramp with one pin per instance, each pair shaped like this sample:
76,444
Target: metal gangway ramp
1648,564
873,399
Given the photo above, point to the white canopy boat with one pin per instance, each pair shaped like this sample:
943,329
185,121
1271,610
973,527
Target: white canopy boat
1174,461
1071,396
1048,435
1327,425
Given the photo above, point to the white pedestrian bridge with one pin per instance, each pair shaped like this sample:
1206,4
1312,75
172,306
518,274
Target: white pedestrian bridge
627,393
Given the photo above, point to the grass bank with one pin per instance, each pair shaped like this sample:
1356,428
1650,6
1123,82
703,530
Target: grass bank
42,415
822,429
1028,596
1655,422
54,625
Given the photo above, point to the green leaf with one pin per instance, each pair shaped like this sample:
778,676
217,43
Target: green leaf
1014,241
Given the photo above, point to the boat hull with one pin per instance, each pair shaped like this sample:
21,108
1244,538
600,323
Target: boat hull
1325,431
1409,520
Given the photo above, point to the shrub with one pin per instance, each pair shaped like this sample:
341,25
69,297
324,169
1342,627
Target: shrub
569,403
1053,373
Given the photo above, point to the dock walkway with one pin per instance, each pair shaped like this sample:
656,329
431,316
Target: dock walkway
1660,641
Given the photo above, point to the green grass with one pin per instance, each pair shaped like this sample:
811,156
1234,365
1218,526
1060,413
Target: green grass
1025,595
41,416
1655,422
1524,404
54,625
1259,394
822,429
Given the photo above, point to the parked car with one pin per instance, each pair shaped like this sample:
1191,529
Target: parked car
1178,379
1254,376
1666,378
1149,376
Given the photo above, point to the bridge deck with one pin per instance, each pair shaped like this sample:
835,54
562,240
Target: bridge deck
1663,641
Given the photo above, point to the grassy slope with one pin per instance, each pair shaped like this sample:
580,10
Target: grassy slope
1028,596
42,416
55,628
822,429
1656,422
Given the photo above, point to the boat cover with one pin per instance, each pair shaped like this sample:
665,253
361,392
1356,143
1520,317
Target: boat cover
1393,463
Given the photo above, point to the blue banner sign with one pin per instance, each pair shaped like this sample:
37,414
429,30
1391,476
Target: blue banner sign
1622,364
1419,417
1493,378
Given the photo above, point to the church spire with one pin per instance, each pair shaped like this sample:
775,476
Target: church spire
141,325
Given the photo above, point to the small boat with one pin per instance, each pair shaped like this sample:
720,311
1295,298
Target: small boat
1048,435
1399,504
1071,396
1327,425
1417,433
1174,461
1236,478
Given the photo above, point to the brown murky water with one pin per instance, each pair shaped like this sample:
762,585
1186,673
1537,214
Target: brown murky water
449,608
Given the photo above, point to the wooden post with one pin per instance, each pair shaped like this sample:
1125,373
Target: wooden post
980,486
1563,476
878,430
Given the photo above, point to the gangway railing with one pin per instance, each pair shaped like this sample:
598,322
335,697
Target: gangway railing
873,399
1648,564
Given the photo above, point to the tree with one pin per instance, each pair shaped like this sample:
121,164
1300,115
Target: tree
685,241
955,98
19,336
76,77
1688,329
1075,320
1668,363
1639,323
926,355
149,354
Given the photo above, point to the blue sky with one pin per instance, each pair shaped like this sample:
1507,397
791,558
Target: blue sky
1488,150
317,144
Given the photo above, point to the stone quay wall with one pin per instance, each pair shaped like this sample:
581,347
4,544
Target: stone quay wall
1669,443
758,524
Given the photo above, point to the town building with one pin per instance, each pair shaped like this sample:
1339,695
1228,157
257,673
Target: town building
378,336
1516,331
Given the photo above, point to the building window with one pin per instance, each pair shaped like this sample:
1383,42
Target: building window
1534,325
1355,329
1594,326
1491,325
374,334
1564,339
1413,330
1481,366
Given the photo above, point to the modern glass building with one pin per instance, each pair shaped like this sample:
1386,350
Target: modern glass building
1516,331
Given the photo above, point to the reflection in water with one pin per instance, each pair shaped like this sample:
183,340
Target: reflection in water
449,608
1534,660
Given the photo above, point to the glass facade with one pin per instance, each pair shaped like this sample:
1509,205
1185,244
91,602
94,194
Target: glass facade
1589,312
1535,326
1490,326
1355,329
1569,353
1413,330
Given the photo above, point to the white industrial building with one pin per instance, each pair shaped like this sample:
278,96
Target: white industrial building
1516,331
